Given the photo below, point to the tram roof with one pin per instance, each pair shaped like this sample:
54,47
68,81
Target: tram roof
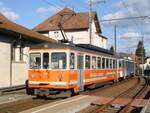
80,47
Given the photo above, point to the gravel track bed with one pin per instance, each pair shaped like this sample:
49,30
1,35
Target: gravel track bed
113,92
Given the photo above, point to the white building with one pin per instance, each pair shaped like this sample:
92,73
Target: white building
75,26
15,41
147,63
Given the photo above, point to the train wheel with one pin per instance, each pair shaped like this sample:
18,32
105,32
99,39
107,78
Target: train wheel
64,94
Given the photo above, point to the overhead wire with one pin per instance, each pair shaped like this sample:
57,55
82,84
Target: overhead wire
49,3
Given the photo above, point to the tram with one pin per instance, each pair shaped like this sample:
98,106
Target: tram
59,68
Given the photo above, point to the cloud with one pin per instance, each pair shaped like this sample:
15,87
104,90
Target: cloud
95,1
52,9
129,41
129,8
129,35
8,12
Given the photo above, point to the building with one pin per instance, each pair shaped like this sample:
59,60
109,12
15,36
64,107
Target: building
147,63
15,41
74,27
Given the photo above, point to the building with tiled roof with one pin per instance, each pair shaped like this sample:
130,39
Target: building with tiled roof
15,41
75,26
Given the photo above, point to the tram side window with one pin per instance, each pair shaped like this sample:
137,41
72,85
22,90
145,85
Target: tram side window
35,60
103,63
87,62
120,63
72,61
45,60
58,60
99,63
107,63
110,63
114,64
123,64
93,62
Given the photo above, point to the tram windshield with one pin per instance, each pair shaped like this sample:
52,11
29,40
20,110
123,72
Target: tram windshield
35,60
58,60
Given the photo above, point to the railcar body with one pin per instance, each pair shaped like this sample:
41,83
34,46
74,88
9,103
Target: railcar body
56,68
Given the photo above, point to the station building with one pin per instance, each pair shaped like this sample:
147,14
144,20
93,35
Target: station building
15,41
75,27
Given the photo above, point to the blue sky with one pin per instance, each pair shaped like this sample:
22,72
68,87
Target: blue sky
30,13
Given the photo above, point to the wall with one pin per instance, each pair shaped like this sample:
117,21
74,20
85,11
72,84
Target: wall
147,64
19,73
19,69
4,64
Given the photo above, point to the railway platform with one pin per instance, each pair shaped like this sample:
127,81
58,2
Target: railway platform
69,105
146,109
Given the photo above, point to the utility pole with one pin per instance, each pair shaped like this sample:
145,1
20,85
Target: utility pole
134,64
115,41
143,56
90,21
115,44
90,17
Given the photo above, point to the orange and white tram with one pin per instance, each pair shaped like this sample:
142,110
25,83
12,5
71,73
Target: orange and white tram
55,68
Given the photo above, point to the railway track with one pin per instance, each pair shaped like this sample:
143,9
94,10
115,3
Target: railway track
24,104
141,95
120,103
21,105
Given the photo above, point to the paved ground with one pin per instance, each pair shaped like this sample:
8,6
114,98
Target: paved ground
70,105
12,96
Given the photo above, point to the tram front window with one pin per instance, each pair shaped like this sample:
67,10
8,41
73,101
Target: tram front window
35,60
58,60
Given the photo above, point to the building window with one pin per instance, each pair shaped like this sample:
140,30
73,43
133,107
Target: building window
18,51
13,54
21,54
56,33
87,62
17,54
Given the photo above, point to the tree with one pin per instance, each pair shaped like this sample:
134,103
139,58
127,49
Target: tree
140,52
112,49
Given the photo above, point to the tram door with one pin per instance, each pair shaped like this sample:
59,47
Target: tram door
80,72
